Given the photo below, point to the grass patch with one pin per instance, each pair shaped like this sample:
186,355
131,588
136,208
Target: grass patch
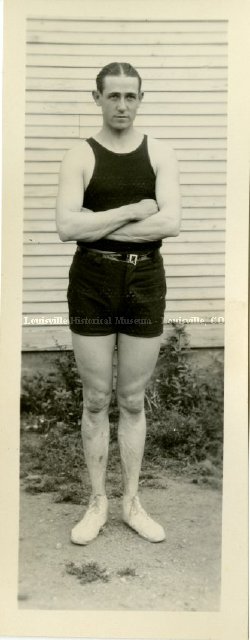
92,572
127,572
89,572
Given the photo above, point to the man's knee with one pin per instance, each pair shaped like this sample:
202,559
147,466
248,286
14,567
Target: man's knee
132,402
96,401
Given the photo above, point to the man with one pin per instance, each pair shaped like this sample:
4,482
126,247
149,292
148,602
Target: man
118,197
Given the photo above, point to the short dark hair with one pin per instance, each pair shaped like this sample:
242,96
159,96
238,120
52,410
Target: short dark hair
116,69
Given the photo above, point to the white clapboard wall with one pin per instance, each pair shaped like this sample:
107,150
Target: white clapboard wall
184,71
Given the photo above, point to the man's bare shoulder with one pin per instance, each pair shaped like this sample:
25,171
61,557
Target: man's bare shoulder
161,150
79,156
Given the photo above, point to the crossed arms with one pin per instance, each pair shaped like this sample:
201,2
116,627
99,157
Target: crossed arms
145,221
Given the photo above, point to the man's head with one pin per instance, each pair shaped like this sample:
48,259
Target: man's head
118,94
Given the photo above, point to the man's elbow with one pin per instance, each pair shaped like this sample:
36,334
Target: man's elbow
63,237
173,228
64,222
170,223
175,231
68,233
63,232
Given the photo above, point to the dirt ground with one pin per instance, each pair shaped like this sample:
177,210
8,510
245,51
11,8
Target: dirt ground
180,574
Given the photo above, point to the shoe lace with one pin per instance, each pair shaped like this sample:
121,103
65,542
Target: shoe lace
95,505
140,510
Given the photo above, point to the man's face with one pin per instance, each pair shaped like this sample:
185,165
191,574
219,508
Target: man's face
119,101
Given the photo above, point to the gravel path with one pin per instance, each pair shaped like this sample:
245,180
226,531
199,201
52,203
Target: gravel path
179,574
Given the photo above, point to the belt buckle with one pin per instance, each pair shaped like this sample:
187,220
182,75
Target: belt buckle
132,258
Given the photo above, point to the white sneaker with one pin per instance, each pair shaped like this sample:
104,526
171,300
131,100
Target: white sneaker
137,518
94,519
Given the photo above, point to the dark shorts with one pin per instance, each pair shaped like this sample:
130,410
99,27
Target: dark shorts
107,296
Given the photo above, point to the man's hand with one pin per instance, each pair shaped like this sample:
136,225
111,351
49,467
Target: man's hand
143,209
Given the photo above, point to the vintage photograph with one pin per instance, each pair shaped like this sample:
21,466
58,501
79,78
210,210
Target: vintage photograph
121,450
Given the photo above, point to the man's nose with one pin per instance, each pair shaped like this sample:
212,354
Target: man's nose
121,104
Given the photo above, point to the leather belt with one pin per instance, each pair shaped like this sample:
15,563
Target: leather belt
131,258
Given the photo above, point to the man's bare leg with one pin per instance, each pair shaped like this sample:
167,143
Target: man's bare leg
137,358
94,358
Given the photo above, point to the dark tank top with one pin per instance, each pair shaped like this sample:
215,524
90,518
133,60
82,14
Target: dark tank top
119,179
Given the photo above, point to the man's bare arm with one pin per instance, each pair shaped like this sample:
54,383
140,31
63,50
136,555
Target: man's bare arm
75,223
166,222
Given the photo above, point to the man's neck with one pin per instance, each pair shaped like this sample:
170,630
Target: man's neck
123,141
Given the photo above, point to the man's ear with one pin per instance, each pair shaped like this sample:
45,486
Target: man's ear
96,96
141,95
